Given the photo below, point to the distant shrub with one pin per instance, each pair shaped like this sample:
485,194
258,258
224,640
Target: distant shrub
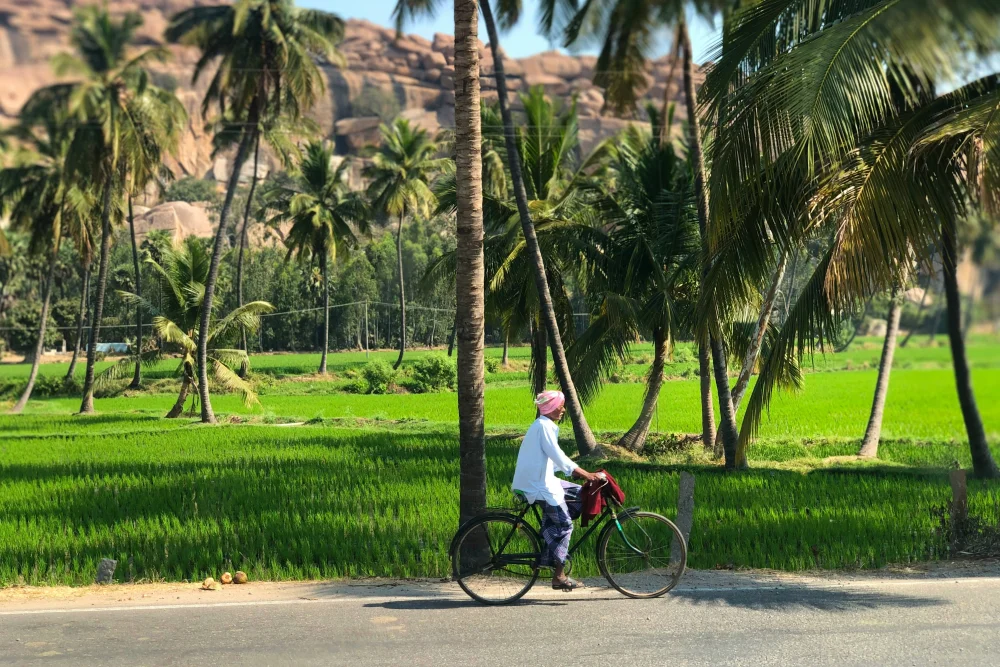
434,373
164,80
378,375
190,189
492,365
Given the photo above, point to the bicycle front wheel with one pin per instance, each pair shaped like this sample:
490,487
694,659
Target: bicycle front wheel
495,559
643,559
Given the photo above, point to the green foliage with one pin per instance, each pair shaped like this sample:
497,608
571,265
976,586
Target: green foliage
374,101
492,364
378,376
190,189
21,327
434,373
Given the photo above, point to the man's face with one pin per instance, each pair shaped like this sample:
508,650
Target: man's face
558,414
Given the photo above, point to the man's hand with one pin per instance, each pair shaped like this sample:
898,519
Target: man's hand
583,474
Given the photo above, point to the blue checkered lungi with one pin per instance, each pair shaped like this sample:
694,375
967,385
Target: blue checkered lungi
557,525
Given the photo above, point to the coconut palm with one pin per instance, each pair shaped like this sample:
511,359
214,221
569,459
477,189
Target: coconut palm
33,194
509,14
627,31
263,54
400,172
321,209
835,129
181,275
647,279
470,317
115,110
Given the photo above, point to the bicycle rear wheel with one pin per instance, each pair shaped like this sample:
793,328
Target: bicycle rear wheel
644,559
495,558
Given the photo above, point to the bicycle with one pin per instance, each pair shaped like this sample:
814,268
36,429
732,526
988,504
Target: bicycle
496,556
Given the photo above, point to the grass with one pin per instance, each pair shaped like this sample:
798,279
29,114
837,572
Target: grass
317,502
369,486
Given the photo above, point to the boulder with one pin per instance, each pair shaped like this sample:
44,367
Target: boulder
179,219
434,60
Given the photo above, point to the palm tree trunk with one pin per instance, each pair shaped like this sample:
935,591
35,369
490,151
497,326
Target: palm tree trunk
137,376
585,440
664,128
763,320
207,414
730,434
470,322
81,316
505,361
326,315
539,359
983,464
753,353
87,405
451,336
242,244
869,444
42,321
181,398
708,433
635,438
402,299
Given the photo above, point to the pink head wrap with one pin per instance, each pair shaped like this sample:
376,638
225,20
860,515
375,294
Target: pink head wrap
550,401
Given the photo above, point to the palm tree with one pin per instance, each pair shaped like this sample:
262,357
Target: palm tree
400,172
510,12
873,432
163,119
181,275
33,194
647,279
628,32
834,129
469,277
321,209
262,51
115,112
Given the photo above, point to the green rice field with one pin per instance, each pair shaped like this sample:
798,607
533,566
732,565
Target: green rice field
368,485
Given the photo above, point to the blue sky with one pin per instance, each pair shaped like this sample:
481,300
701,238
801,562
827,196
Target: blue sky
522,40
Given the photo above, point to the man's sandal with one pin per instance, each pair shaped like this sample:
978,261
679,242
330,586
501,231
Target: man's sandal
567,585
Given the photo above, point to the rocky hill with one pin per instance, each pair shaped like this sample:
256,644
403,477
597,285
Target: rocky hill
416,72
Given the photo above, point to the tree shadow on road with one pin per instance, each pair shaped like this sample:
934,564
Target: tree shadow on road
790,597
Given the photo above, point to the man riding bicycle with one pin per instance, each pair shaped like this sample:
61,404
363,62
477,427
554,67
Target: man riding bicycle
534,478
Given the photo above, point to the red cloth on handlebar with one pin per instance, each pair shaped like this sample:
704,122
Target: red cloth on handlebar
593,496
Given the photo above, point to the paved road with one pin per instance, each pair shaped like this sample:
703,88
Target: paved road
715,619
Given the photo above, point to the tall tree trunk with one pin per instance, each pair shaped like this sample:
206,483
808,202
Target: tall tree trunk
402,299
451,336
983,464
207,414
760,331
585,440
87,405
181,397
635,438
137,376
42,322
753,351
470,323
242,244
539,359
664,128
81,316
869,444
730,433
505,360
326,314
705,392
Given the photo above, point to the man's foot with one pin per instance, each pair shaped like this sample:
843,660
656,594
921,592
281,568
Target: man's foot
566,584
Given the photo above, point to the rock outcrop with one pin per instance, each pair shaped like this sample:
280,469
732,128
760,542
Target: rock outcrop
418,73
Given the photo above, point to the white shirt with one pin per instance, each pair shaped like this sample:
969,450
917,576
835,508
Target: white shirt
537,461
